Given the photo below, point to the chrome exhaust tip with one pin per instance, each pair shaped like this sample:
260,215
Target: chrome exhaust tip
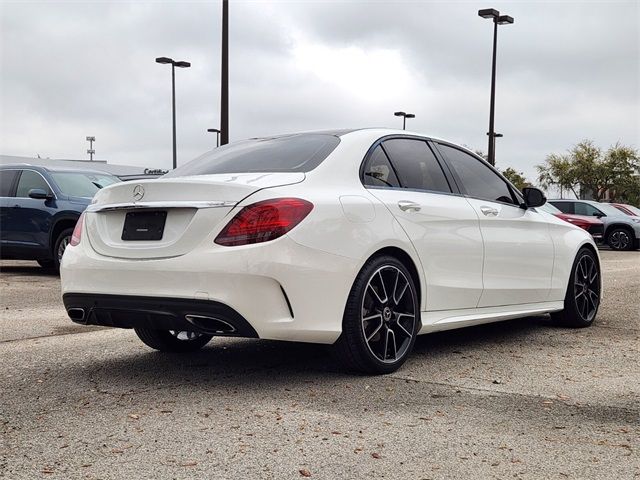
210,325
76,314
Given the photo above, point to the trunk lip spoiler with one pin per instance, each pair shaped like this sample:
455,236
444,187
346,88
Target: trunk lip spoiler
160,205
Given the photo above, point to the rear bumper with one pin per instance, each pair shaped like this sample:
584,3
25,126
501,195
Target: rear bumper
126,311
283,290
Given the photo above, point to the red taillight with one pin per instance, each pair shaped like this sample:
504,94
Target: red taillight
264,221
77,232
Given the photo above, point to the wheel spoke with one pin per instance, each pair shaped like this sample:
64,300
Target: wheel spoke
397,299
585,307
384,289
404,330
583,275
391,333
378,327
380,300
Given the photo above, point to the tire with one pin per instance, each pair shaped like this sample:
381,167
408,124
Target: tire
582,299
374,308
620,238
59,247
169,341
46,263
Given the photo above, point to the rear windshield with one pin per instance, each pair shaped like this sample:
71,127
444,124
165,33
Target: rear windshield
293,153
82,184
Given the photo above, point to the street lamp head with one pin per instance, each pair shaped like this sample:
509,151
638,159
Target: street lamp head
399,114
488,13
182,64
410,115
504,20
213,130
164,60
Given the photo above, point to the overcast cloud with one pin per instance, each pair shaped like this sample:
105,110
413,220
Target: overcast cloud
566,71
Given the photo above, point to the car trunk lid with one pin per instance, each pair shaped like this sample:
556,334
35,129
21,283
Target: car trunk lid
169,217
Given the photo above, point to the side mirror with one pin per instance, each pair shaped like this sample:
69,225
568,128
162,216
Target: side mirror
533,197
39,194
598,214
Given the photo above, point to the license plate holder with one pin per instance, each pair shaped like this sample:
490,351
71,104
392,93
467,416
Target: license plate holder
141,226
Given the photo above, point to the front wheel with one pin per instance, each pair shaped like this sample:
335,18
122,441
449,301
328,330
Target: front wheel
583,292
172,340
381,318
620,239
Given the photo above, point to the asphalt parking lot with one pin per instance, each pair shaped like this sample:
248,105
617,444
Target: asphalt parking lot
519,399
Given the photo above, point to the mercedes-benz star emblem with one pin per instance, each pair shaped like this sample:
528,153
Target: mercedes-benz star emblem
138,192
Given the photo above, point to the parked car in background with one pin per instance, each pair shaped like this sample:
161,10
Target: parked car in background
362,239
627,209
593,225
39,207
621,232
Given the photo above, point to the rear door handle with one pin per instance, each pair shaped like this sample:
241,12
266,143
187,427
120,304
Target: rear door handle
489,211
406,205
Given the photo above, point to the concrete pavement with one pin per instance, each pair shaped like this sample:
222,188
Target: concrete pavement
519,399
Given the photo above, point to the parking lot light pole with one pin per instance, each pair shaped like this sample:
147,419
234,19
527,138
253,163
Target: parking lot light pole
497,20
91,151
217,132
224,80
174,64
404,118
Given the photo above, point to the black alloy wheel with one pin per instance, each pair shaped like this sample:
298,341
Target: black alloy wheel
620,239
381,319
582,299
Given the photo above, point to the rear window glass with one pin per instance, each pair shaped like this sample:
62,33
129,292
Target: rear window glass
293,153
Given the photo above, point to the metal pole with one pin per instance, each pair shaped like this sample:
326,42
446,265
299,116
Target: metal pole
404,122
173,96
224,87
492,133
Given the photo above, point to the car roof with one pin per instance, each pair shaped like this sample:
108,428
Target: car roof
574,200
14,166
382,131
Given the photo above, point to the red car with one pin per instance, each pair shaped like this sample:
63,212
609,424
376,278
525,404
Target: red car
628,209
591,224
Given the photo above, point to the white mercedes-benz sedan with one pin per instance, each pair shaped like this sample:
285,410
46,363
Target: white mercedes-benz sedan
362,239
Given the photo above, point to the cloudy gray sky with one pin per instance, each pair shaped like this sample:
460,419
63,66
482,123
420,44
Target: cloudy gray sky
566,71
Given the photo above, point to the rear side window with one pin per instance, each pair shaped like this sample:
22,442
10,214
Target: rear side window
416,165
292,153
7,177
478,179
586,209
378,171
29,180
564,207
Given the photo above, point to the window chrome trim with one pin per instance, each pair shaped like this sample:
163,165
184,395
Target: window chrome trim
21,170
158,205
453,187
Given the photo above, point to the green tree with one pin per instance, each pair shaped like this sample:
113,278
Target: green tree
517,178
587,170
